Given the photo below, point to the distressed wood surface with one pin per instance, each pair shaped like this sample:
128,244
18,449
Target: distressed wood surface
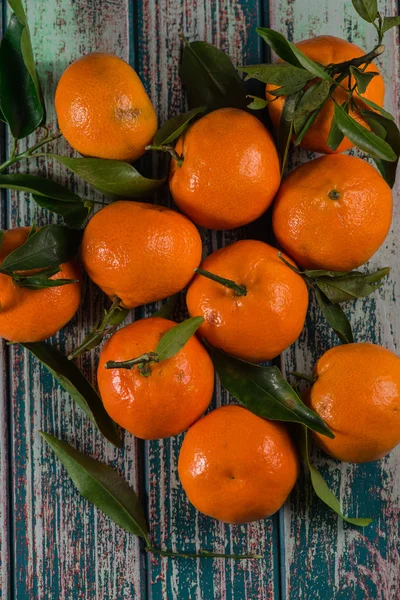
53,544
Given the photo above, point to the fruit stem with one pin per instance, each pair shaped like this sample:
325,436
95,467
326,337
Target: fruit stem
240,290
288,264
170,150
201,554
361,60
27,153
334,195
142,360
303,376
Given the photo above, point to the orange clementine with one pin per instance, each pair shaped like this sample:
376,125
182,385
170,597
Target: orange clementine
170,397
325,50
256,326
103,109
332,213
237,467
28,315
140,252
357,393
230,170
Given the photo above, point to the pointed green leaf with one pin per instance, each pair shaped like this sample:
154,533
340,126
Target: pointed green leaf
388,130
351,286
257,103
174,127
50,246
41,280
264,391
50,195
335,317
277,74
363,138
312,98
367,9
20,101
78,387
389,22
285,130
175,339
102,486
375,106
111,177
323,492
209,77
363,78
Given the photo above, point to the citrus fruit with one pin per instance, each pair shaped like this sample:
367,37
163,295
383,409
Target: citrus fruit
357,393
325,50
103,109
332,213
140,252
165,399
260,319
237,467
230,170
29,315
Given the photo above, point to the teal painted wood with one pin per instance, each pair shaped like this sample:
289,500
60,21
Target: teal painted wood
62,548
322,557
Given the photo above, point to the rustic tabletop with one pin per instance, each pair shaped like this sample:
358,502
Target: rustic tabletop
53,543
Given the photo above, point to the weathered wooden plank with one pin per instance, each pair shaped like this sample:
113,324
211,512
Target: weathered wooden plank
62,547
173,521
322,556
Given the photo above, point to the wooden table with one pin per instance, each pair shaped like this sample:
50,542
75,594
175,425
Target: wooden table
53,544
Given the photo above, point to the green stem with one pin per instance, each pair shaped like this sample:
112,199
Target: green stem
303,376
29,152
288,264
361,60
201,554
170,150
240,290
143,359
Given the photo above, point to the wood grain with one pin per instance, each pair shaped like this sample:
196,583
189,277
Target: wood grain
322,556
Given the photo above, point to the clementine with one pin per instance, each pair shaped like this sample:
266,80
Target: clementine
332,213
326,50
140,252
103,109
357,393
237,467
259,317
165,399
230,170
29,315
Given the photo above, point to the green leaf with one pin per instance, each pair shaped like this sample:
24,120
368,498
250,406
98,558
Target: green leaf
367,9
335,136
362,78
335,317
113,317
312,98
388,130
285,130
102,486
175,339
41,280
277,74
111,177
290,53
48,247
20,100
389,22
168,308
321,488
174,127
264,391
210,79
371,104
351,286
286,90
257,103
26,45
363,138
50,195
74,382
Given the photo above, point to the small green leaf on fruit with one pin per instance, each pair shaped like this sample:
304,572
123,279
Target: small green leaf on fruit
173,128
175,338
